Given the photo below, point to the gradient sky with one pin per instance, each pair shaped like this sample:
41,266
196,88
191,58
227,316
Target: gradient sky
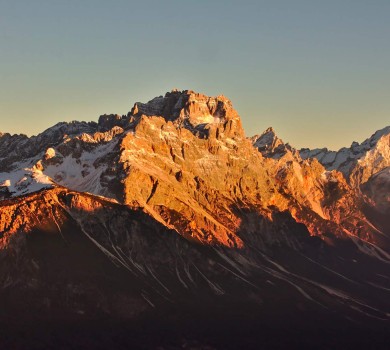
317,71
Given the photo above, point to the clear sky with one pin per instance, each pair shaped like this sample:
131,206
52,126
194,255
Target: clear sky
317,71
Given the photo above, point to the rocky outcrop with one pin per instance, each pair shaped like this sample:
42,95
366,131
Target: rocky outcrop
109,121
272,146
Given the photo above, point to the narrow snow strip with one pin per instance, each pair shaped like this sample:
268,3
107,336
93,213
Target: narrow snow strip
179,277
369,248
279,276
104,250
187,271
238,276
328,269
217,289
378,286
229,261
154,276
147,300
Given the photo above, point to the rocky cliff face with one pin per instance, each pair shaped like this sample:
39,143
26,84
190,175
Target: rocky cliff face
174,199
271,146
185,160
364,167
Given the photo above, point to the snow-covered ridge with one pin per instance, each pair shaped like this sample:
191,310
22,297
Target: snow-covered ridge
75,155
199,164
372,153
85,152
23,181
83,155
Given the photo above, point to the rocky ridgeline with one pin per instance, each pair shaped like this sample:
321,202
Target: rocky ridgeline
172,203
359,162
184,158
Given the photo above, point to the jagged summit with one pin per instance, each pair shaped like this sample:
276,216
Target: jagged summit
108,121
171,203
267,140
90,156
202,115
187,105
359,161
271,146
356,147
377,135
184,107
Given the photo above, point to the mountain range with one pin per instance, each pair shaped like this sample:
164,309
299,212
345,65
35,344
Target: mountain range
170,227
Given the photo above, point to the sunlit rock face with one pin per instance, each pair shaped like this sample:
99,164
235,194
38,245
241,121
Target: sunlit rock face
328,193
271,146
174,199
365,168
184,158
188,108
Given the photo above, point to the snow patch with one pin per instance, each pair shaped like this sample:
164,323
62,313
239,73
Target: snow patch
25,181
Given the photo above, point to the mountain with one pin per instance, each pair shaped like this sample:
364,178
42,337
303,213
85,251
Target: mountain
366,167
272,146
169,219
359,162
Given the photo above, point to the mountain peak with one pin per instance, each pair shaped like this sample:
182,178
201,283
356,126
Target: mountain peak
375,137
187,106
173,184
359,161
270,145
269,130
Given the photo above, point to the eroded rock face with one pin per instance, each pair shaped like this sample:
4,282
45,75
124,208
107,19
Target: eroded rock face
109,121
338,188
187,107
372,161
272,146
185,159
173,207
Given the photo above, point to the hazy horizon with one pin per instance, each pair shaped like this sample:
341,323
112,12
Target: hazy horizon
317,72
